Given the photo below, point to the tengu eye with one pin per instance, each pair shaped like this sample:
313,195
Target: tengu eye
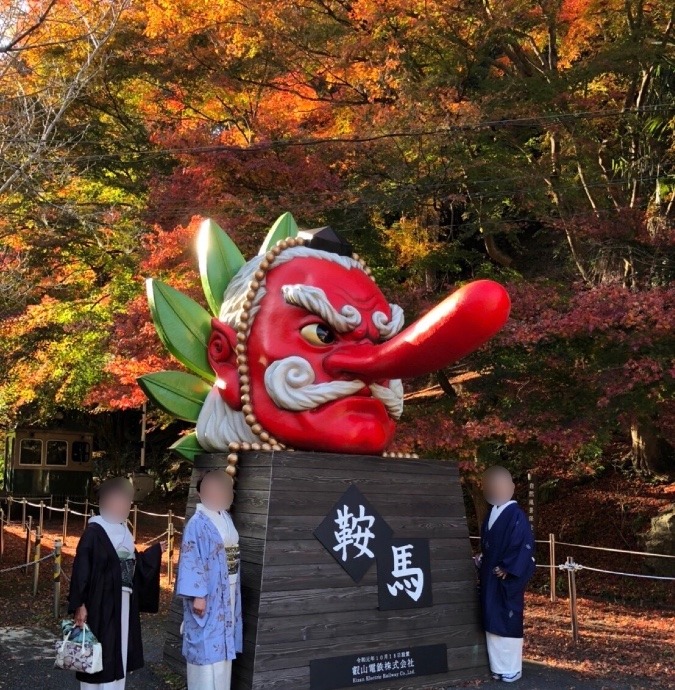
318,334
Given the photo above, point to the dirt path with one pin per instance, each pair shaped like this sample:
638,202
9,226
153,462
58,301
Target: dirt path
538,676
26,660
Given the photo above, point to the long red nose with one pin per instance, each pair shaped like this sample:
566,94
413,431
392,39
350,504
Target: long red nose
461,323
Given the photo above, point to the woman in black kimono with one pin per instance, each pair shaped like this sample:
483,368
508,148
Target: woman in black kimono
111,584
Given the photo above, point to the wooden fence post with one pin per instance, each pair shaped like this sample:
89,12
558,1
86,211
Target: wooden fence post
169,532
134,520
36,561
2,532
169,552
532,501
57,578
66,508
23,512
572,584
552,568
29,529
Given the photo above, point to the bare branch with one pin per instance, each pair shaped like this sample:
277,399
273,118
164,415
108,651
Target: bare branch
41,19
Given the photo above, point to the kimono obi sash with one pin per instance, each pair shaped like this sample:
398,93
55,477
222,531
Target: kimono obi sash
233,557
128,567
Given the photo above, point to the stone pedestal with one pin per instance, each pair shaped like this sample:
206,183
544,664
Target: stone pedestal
302,610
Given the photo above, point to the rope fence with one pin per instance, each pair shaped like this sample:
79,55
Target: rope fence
26,565
597,548
154,539
605,548
67,511
33,536
579,566
617,572
35,561
90,504
571,567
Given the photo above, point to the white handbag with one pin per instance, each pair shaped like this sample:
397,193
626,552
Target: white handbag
85,656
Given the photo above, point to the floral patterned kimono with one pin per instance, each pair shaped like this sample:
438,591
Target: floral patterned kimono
209,568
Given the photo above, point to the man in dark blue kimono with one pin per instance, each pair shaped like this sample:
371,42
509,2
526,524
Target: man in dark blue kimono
506,564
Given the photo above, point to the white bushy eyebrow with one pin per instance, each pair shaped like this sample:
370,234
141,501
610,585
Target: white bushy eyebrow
386,327
315,301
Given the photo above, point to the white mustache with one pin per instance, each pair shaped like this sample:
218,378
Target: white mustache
290,384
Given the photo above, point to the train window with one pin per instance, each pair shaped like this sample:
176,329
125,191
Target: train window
31,451
57,453
81,451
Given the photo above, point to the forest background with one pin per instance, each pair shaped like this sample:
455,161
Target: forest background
528,142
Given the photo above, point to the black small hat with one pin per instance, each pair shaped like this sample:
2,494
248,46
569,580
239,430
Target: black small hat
327,240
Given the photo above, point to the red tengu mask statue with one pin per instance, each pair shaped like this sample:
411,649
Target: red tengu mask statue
309,354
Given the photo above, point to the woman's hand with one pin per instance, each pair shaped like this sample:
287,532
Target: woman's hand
163,545
80,616
199,606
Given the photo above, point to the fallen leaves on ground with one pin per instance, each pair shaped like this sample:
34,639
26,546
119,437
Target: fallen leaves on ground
615,640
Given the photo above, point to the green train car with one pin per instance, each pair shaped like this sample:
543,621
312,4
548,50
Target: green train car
43,462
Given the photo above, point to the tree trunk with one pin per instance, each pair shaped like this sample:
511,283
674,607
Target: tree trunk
494,252
444,382
649,452
479,503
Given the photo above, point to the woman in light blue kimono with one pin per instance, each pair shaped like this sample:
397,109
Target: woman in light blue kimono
208,581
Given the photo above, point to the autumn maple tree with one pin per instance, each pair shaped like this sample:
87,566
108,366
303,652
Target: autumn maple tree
527,142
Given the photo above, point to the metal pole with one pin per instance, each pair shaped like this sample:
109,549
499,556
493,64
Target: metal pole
42,514
57,578
36,561
572,584
23,512
9,509
29,529
66,508
86,512
551,560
